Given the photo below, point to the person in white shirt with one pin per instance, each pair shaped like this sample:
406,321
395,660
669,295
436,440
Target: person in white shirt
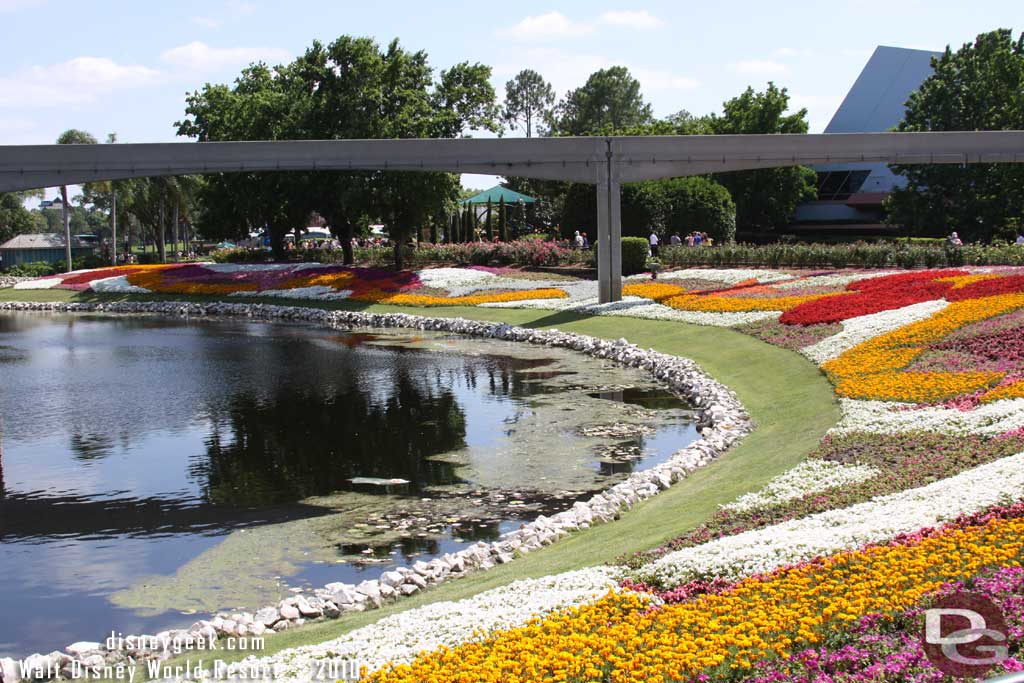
676,239
578,240
1020,240
654,244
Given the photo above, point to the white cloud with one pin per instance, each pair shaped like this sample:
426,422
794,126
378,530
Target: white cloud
206,22
197,55
636,19
653,80
545,27
568,70
820,108
15,5
77,81
760,67
788,52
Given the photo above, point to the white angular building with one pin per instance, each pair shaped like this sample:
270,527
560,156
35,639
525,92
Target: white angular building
850,196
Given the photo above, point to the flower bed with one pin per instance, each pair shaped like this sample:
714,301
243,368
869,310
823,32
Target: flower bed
721,636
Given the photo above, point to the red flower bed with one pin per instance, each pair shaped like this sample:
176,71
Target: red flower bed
878,294
1011,284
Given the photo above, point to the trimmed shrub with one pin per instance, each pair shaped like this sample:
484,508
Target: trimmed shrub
634,255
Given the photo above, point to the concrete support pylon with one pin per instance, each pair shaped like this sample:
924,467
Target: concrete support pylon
609,230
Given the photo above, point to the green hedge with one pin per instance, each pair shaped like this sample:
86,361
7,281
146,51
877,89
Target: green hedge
859,255
634,255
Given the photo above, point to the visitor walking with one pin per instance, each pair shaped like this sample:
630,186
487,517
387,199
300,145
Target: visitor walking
689,239
697,239
577,240
586,241
1020,240
954,240
653,239
676,240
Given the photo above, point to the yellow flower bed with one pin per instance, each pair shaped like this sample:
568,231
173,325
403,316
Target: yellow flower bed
870,370
619,639
676,297
473,300
652,290
922,386
1011,390
725,304
154,282
961,281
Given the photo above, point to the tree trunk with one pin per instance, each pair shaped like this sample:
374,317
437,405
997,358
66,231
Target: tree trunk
161,239
348,258
113,223
67,226
398,254
174,231
277,243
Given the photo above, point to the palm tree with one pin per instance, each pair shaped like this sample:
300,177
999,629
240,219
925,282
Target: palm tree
70,137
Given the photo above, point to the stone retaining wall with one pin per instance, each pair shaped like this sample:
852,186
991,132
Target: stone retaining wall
721,419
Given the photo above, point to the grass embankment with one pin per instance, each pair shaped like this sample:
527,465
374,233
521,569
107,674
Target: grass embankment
791,401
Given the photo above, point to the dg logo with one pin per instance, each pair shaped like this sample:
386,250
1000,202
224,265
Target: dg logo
965,635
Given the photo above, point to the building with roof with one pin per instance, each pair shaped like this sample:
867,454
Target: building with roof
850,196
32,248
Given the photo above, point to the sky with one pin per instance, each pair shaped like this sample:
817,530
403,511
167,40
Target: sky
126,66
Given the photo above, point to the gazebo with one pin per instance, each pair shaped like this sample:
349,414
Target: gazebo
498,199
496,195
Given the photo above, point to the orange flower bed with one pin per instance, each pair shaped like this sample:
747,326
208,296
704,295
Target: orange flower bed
620,639
870,370
473,300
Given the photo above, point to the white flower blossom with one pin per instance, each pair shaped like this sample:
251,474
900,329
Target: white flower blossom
878,520
40,283
888,417
117,284
728,276
810,476
860,329
400,637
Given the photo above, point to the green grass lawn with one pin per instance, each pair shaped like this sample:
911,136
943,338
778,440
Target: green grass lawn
791,401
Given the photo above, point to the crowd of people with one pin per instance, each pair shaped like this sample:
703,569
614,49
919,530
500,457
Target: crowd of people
693,239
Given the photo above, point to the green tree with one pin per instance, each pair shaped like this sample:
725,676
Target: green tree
71,136
610,100
765,198
528,101
978,87
15,219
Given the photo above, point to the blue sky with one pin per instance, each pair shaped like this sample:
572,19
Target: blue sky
122,66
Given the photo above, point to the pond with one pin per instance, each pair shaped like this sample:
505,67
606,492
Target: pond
153,470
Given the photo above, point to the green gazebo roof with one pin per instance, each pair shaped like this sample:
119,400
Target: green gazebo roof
496,194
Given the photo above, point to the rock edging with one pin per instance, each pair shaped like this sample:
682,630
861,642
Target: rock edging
722,422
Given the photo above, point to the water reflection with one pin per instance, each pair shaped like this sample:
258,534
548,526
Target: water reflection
301,442
133,449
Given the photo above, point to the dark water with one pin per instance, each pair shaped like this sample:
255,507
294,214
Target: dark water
129,447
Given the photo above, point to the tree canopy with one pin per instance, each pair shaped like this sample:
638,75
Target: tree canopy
610,100
350,88
978,87
765,198
529,101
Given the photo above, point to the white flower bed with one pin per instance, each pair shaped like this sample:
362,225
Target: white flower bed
320,292
860,329
728,276
119,285
455,278
885,417
400,637
834,280
810,476
639,307
878,520
40,283
503,283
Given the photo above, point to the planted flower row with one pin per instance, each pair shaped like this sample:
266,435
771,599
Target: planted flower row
730,634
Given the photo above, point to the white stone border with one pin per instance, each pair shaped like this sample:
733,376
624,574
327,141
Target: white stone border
721,418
